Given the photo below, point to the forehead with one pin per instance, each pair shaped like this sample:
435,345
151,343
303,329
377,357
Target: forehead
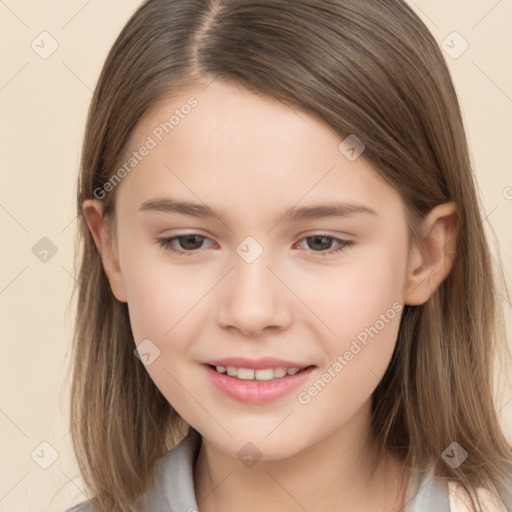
243,152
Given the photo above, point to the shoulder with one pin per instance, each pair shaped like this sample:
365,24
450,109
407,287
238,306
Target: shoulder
174,485
84,506
428,492
460,501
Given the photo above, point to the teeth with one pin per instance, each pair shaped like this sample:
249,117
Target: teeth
244,373
263,374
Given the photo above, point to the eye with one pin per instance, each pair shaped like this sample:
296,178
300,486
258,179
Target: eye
321,244
188,245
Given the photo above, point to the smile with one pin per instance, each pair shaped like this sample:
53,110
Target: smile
262,374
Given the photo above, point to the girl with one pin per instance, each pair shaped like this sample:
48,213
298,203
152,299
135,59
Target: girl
286,299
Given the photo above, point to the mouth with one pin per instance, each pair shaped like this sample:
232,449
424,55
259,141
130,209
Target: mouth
262,374
257,386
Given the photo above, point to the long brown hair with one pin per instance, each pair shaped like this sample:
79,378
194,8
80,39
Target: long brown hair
363,67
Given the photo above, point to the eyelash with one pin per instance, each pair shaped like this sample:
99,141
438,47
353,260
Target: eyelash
167,244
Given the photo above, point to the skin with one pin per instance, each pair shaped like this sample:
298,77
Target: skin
253,158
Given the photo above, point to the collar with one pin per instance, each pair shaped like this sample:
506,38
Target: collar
174,487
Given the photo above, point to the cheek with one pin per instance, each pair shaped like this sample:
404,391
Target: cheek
364,309
163,297
360,301
375,287
351,295
374,318
164,301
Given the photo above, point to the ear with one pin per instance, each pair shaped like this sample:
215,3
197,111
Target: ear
93,212
431,261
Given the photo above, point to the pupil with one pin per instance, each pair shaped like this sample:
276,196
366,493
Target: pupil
319,239
190,239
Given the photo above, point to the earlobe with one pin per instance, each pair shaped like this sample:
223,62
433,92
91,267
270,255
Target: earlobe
93,213
431,261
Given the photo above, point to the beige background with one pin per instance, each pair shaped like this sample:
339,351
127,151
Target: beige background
43,104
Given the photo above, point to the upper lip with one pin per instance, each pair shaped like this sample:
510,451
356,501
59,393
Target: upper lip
257,364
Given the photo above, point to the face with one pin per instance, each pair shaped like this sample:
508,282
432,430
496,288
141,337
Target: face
273,276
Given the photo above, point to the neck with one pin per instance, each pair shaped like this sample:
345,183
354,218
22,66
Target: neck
332,474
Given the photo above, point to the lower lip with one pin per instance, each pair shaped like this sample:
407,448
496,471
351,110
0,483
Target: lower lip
254,391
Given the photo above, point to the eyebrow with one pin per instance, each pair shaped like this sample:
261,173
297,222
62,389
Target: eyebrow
319,211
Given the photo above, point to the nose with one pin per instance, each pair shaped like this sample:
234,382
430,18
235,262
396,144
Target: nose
253,300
